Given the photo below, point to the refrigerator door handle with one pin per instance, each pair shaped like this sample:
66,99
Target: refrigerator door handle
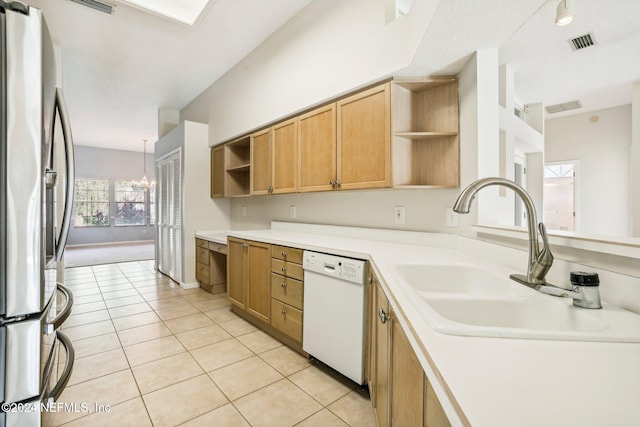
62,316
70,176
55,392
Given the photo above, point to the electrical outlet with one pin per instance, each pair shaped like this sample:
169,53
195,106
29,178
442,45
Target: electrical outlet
398,214
451,217
292,211
244,211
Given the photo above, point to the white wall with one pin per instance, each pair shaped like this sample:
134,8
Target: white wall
329,48
603,148
200,212
634,192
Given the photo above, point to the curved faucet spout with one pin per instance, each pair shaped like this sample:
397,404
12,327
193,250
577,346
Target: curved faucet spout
535,274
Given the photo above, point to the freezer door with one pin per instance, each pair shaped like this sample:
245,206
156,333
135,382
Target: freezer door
28,348
29,79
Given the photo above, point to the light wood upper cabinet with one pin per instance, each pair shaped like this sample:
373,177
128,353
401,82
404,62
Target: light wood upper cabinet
317,149
261,162
402,133
364,139
217,172
285,157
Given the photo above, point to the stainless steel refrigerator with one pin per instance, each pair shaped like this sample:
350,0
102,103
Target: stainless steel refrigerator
32,304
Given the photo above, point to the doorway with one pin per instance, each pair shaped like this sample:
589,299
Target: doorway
560,183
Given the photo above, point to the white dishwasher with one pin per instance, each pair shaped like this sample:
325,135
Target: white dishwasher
333,316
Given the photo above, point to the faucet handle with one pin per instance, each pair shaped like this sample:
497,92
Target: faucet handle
543,260
545,257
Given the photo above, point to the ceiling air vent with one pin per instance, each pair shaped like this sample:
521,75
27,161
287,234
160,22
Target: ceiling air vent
565,106
582,42
96,5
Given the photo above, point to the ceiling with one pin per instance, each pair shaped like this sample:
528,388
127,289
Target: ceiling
548,70
120,69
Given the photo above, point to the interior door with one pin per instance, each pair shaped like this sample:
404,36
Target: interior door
169,223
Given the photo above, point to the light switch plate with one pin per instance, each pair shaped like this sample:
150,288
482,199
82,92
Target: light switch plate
292,211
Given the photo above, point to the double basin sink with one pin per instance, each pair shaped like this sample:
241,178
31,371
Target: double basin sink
463,299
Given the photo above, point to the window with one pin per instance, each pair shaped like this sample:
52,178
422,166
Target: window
130,206
152,204
92,203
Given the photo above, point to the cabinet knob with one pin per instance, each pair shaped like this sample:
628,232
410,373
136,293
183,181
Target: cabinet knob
337,183
332,182
283,269
283,311
284,253
383,316
283,284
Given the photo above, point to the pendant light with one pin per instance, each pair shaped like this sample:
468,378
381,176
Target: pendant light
144,183
564,14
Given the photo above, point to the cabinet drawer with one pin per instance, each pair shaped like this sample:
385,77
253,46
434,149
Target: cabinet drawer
288,269
218,247
287,254
286,290
286,319
202,272
202,255
202,243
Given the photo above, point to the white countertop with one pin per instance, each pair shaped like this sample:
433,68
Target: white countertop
494,381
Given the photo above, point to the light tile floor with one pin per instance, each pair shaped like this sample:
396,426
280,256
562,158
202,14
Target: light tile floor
159,355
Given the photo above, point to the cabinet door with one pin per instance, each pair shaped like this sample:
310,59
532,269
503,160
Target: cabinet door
217,172
236,271
381,358
364,139
317,149
258,280
407,381
261,162
285,157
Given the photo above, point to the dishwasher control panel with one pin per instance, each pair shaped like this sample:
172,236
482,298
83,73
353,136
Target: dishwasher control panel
349,269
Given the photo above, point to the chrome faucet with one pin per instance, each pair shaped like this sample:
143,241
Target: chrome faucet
539,260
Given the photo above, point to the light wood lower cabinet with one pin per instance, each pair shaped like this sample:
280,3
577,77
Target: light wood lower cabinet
249,277
400,392
211,266
287,289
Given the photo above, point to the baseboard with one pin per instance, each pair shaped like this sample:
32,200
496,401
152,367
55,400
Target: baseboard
189,285
125,243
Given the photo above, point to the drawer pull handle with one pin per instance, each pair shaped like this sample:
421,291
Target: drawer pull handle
283,284
283,311
383,316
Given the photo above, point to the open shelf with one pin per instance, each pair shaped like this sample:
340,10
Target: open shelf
238,153
238,167
425,133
